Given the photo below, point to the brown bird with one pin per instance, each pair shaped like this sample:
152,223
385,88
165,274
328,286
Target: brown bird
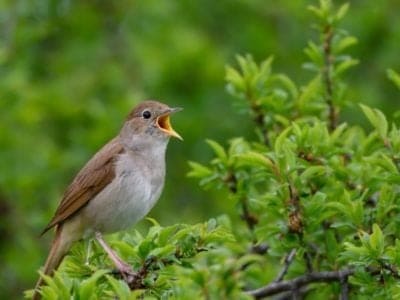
116,188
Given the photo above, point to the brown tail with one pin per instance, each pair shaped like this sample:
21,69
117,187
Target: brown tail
58,250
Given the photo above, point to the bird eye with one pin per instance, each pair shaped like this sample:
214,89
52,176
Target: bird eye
146,114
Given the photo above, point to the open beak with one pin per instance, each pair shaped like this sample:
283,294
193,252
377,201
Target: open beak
164,123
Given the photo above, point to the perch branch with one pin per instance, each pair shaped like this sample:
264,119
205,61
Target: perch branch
298,282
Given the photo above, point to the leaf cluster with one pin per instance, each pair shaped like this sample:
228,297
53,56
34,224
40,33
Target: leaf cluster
310,183
315,197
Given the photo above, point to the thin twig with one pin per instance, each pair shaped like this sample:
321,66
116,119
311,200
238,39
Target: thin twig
298,282
308,259
295,217
250,219
302,292
344,284
327,75
288,260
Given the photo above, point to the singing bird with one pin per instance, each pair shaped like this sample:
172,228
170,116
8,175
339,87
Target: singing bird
116,188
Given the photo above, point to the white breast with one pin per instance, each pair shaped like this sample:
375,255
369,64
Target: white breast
128,198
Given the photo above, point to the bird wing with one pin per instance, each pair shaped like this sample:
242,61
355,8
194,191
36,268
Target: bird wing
93,177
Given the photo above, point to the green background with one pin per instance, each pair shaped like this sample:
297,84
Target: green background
70,71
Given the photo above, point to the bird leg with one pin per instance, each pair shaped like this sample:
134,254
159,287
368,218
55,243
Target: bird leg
125,269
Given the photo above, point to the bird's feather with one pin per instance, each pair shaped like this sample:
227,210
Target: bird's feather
93,177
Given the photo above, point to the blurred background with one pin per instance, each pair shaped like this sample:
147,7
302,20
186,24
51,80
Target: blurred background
70,71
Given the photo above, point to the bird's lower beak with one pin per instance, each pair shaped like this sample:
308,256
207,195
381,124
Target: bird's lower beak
164,123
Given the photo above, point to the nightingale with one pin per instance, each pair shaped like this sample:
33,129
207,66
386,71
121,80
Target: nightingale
116,188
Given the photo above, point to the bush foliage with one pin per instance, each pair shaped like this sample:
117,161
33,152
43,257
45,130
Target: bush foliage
317,199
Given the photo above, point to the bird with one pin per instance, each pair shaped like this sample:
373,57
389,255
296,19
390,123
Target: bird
116,188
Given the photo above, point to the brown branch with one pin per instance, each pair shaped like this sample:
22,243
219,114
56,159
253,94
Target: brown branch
308,259
301,293
298,282
136,281
344,284
295,217
250,219
288,261
327,75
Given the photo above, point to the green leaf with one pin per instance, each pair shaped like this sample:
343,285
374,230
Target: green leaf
153,222
198,170
280,140
377,119
337,133
384,162
393,76
254,159
144,248
315,10
163,251
344,65
120,288
331,245
376,240
234,78
87,288
265,67
314,171
344,43
342,11
288,84
237,146
218,150
309,92
56,287
314,53
167,233
354,253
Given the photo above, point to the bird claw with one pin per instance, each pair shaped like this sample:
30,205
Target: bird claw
126,272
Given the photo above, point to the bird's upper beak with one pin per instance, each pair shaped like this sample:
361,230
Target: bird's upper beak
164,123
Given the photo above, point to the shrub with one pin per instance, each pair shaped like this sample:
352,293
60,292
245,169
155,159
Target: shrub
317,199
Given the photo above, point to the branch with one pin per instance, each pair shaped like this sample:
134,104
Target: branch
298,282
295,216
327,75
288,261
300,294
137,280
250,219
344,284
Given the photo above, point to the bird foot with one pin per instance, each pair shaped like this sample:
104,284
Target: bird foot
132,278
126,269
